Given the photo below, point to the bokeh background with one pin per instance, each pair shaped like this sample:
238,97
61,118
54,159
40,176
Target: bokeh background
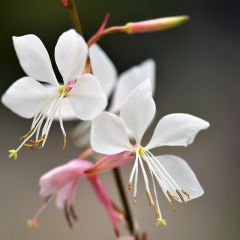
198,71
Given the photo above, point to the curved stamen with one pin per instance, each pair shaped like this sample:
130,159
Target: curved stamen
49,109
61,124
130,185
33,222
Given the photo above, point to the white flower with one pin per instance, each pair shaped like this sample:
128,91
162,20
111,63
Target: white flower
79,97
174,176
121,86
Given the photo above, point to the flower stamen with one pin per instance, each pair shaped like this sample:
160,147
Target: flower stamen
150,199
186,194
48,112
181,197
171,201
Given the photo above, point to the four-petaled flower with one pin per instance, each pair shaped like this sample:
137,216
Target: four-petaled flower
119,86
63,181
79,97
174,176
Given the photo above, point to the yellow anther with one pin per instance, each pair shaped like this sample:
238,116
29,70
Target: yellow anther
150,199
186,194
134,200
12,154
139,150
26,135
130,186
35,144
161,221
64,142
171,198
62,90
32,223
181,197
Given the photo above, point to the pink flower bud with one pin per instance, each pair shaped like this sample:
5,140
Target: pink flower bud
153,25
65,3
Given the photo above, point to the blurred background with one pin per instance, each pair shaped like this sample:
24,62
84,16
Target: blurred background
198,70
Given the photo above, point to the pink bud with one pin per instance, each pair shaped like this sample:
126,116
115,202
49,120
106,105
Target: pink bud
65,3
153,25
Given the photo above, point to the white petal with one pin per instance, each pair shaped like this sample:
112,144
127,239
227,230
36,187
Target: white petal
34,58
183,175
130,79
25,97
68,113
103,69
87,97
108,135
138,110
70,55
177,129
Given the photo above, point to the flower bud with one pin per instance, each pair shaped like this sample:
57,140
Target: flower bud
65,3
153,25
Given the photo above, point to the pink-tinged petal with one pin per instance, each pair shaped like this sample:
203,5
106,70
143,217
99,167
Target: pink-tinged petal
105,200
138,110
109,162
62,181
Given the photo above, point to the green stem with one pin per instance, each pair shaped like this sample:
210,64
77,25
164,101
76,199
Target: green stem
122,193
72,10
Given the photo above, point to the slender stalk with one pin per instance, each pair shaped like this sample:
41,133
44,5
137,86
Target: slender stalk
72,10
117,175
122,193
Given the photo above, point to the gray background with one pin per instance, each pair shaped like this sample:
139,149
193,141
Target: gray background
198,71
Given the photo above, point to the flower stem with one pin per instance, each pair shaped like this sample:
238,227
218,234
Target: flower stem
122,193
72,10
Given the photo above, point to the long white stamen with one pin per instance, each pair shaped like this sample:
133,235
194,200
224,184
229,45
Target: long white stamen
156,161
44,109
155,191
136,180
25,140
133,172
48,109
49,121
158,172
60,117
144,175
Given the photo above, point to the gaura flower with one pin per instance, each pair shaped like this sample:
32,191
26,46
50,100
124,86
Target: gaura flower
63,181
41,97
121,86
174,176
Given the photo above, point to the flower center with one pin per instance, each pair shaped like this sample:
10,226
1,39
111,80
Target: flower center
139,150
62,91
